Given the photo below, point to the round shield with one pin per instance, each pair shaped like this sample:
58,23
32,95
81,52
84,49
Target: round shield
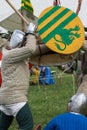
61,29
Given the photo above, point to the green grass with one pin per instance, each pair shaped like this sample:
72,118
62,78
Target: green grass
49,101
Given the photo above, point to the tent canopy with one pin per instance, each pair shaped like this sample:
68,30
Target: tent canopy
14,22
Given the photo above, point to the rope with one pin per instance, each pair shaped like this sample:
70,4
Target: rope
56,76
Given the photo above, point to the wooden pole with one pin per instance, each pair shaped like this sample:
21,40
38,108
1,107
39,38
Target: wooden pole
22,21
79,6
56,2
17,12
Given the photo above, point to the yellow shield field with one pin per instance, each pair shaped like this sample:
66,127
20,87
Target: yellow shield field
61,29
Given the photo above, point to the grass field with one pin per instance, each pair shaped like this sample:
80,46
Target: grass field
50,100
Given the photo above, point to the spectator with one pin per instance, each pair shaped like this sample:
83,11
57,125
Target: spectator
46,76
36,73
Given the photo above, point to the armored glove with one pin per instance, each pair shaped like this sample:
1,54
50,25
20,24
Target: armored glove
31,28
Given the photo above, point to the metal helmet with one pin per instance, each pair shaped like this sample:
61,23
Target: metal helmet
78,103
16,38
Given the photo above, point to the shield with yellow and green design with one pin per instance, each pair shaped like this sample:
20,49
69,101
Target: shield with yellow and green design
61,29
